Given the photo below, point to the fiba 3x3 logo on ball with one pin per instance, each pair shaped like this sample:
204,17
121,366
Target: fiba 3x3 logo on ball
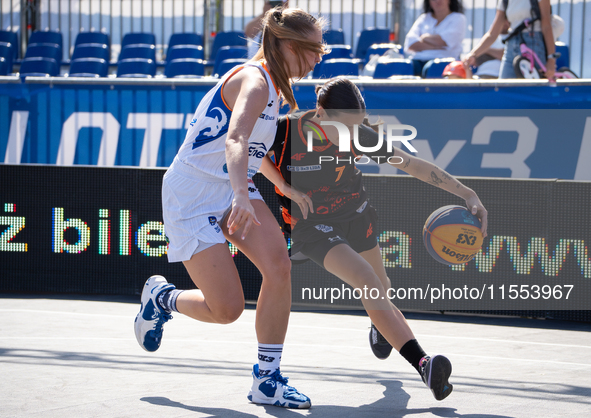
452,235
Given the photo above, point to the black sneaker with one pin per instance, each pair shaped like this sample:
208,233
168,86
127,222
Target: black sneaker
380,347
435,372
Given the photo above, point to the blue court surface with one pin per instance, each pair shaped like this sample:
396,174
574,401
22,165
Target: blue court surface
62,357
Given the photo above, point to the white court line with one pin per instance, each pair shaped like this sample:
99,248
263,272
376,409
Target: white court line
62,312
491,340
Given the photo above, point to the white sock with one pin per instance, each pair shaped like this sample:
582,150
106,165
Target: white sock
269,358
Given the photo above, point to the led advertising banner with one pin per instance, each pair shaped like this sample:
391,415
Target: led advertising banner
87,230
96,230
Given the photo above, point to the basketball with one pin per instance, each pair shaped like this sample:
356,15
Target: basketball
452,235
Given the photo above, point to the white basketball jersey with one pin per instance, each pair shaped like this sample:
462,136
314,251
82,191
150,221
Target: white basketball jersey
204,148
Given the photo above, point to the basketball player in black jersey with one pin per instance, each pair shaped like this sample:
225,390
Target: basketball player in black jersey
334,225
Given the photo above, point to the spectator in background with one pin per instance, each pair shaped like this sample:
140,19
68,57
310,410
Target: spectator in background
541,39
457,70
489,63
252,30
437,33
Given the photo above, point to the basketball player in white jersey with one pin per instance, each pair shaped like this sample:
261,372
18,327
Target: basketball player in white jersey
209,197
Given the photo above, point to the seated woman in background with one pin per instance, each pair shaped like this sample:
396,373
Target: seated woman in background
437,33
540,39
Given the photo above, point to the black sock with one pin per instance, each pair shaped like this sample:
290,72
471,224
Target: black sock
167,300
413,353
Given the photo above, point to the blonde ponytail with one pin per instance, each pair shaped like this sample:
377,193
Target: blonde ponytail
280,25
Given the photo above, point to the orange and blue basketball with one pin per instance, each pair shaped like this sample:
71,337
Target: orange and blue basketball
452,235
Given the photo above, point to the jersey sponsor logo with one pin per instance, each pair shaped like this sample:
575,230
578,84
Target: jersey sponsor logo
257,150
299,156
213,125
362,207
323,228
304,168
266,117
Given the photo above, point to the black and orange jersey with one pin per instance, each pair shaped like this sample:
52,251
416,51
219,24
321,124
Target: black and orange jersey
327,175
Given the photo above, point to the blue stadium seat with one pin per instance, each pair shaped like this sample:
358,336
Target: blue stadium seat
338,51
334,37
434,68
394,66
227,65
89,67
4,66
12,39
39,67
379,49
235,38
184,51
368,37
136,68
184,67
138,51
47,38
228,52
138,38
91,51
338,66
564,60
6,52
92,38
186,38
44,50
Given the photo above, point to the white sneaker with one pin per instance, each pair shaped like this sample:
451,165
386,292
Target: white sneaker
151,318
274,390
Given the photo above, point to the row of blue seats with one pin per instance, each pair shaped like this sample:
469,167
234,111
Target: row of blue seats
148,40
132,67
92,51
191,67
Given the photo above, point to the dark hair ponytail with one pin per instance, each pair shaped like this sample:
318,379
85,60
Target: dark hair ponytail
340,94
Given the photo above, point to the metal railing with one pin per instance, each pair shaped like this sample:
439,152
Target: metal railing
164,17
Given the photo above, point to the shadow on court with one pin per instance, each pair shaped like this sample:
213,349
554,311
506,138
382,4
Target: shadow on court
393,404
67,358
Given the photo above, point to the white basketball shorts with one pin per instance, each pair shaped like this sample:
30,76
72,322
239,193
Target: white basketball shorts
193,208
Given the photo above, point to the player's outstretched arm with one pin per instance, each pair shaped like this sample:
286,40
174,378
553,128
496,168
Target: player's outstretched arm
432,174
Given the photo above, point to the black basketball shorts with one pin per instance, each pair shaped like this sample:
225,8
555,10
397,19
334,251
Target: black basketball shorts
315,240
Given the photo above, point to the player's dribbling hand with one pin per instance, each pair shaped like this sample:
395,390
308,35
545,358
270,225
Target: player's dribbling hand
476,207
241,216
